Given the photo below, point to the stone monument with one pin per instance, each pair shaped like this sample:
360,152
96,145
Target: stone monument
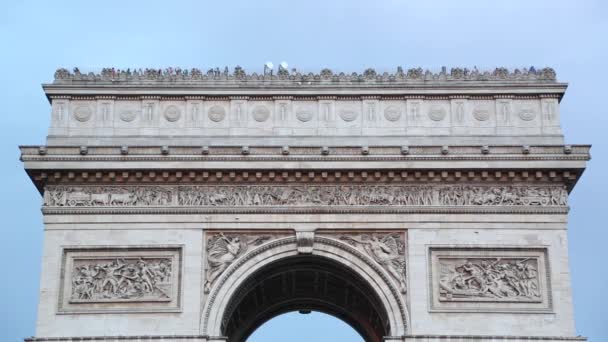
190,206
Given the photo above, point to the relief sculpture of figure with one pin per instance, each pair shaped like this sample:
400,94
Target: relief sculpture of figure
487,279
222,250
122,280
299,195
387,250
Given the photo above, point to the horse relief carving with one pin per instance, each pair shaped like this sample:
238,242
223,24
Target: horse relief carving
306,195
489,279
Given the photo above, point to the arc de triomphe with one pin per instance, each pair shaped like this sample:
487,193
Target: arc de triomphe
184,206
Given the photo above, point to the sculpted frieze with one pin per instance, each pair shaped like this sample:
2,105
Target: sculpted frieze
305,195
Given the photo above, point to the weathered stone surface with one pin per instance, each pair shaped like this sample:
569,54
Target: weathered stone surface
190,206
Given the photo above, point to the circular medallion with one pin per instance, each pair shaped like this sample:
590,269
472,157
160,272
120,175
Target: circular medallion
260,113
128,115
348,114
172,113
83,113
527,114
481,113
392,113
216,113
304,115
436,113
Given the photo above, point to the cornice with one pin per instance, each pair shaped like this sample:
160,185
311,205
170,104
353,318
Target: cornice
302,153
118,94
230,165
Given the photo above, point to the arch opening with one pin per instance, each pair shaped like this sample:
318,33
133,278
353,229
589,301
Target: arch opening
305,283
313,326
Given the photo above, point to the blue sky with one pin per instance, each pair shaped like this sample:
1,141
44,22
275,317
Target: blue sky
36,37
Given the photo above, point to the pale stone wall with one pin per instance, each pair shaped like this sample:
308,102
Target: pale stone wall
184,321
354,120
546,231
444,193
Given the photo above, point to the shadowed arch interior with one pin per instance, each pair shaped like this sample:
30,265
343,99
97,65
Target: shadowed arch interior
305,283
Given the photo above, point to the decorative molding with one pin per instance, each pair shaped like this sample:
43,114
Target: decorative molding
133,279
489,279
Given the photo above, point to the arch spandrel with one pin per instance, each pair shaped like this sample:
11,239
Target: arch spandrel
330,249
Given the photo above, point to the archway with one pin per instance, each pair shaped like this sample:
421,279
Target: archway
305,283
275,278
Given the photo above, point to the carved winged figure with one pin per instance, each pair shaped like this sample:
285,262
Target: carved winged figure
386,250
222,250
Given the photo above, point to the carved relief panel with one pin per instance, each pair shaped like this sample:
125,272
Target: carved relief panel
489,279
215,115
261,117
349,117
482,117
301,195
82,113
173,114
392,116
526,115
127,115
120,279
225,247
435,117
388,249
306,117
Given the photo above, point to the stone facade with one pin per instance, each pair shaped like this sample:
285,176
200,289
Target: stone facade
189,206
